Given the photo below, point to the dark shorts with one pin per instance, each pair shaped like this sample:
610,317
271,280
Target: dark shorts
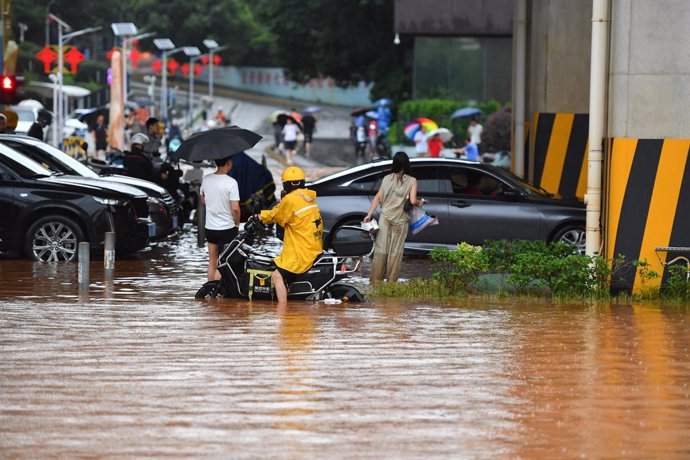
290,145
288,276
221,237
308,137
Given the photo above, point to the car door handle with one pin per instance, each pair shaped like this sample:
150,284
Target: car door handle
461,204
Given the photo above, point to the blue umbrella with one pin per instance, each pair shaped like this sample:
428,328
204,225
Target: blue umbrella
372,114
466,112
311,109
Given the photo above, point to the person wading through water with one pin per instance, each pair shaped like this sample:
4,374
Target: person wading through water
397,188
300,216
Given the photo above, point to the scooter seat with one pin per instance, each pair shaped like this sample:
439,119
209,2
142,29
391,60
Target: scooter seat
260,264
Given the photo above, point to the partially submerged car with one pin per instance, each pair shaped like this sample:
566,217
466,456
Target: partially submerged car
46,214
162,207
473,202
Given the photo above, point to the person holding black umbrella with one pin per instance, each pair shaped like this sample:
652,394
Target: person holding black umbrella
220,193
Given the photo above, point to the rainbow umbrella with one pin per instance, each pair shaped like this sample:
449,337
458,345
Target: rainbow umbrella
425,124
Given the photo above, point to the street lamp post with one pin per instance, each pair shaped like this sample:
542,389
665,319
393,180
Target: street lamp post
193,53
58,97
167,47
127,31
151,91
212,46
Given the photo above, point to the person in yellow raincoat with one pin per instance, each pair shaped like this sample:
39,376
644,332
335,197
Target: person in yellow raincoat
300,216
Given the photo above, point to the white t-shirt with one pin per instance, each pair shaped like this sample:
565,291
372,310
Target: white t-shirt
476,133
290,132
219,190
420,143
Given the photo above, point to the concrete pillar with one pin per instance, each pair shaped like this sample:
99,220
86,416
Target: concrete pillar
650,69
560,41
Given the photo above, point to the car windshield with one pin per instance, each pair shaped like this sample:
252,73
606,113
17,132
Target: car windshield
54,158
349,171
22,165
523,185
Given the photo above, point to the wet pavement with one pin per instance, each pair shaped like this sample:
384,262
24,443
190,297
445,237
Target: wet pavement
141,369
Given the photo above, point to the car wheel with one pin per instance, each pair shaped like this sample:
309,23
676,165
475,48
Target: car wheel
572,234
53,239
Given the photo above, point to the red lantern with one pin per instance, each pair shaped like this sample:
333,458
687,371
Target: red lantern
216,60
156,65
46,56
173,65
184,69
109,54
74,57
198,68
134,56
204,59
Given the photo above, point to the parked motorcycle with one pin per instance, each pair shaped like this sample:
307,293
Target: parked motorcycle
246,271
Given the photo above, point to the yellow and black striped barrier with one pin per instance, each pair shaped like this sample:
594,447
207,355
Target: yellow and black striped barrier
72,146
558,151
648,206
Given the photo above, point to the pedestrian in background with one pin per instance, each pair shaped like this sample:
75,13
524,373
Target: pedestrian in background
470,150
277,135
474,131
420,145
153,147
309,126
100,134
37,129
138,164
290,132
397,189
434,145
221,195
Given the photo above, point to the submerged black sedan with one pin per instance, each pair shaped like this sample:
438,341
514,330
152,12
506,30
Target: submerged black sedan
161,205
45,215
473,202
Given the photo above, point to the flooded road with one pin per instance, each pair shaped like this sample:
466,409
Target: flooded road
141,369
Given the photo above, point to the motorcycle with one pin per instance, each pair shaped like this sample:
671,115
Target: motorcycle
246,271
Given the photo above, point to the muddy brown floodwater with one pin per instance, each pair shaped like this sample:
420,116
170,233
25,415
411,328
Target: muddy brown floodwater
141,369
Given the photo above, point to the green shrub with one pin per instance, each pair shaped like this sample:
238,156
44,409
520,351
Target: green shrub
459,267
532,266
677,285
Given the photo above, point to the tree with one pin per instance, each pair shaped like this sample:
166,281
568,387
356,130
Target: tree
231,22
348,40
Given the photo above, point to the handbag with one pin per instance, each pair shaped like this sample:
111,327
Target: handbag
419,220
407,207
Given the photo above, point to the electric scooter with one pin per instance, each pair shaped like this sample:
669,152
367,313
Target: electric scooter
246,271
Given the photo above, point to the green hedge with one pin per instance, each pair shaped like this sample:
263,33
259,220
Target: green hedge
534,268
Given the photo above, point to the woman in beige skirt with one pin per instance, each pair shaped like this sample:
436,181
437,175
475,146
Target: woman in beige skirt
397,188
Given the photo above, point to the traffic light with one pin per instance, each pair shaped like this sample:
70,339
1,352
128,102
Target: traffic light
8,89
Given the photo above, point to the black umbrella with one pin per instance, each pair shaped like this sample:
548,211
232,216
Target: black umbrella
294,116
217,143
